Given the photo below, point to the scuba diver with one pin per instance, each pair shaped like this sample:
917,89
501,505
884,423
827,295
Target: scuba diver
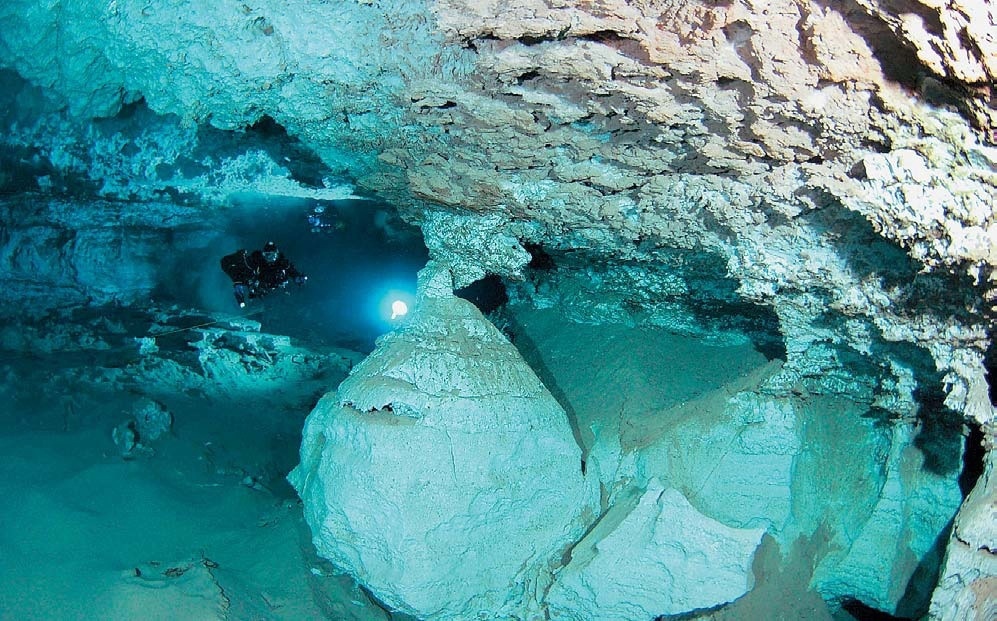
321,221
256,274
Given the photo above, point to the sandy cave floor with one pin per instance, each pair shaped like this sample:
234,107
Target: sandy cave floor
201,526
204,526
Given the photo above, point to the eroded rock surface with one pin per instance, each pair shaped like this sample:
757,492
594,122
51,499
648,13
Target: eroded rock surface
730,130
661,558
967,588
442,474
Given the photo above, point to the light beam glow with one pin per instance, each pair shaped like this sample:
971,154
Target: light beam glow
398,309
394,306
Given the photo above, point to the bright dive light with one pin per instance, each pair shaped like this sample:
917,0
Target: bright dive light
394,305
398,308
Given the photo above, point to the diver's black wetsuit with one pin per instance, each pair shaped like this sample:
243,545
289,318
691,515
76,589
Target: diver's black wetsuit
275,274
253,276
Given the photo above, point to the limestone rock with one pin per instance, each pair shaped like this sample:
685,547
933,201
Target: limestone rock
125,437
751,451
152,419
656,557
60,253
956,41
967,588
442,474
877,561
452,236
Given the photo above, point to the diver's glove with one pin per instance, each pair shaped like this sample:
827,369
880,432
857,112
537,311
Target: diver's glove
300,279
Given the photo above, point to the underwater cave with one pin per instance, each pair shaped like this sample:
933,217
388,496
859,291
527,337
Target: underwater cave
439,310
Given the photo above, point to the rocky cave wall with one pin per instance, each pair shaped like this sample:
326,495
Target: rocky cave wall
830,159
723,130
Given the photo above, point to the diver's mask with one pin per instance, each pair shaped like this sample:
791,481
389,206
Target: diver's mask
270,256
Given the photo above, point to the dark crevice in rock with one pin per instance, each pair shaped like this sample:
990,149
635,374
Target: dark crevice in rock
540,259
23,166
863,612
940,438
529,40
974,458
884,146
899,62
628,47
526,77
731,83
541,119
942,294
990,364
930,17
474,43
944,93
738,33
603,36
434,106
305,166
488,293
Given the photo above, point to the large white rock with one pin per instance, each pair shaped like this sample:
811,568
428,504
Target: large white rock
660,557
442,474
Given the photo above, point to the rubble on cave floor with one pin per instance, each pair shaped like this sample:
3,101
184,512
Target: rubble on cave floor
213,408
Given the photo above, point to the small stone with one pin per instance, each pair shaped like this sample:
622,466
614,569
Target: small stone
152,419
125,438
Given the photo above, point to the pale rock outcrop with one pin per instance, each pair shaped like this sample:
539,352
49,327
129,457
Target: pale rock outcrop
805,467
237,359
454,236
653,556
315,68
967,587
60,254
955,40
738,463
442,474
141,155
152,419
877,559
789,467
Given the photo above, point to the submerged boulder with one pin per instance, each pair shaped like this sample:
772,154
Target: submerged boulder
442,474
658,557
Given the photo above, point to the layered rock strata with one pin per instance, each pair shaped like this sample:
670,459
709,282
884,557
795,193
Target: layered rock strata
57,252
722,129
